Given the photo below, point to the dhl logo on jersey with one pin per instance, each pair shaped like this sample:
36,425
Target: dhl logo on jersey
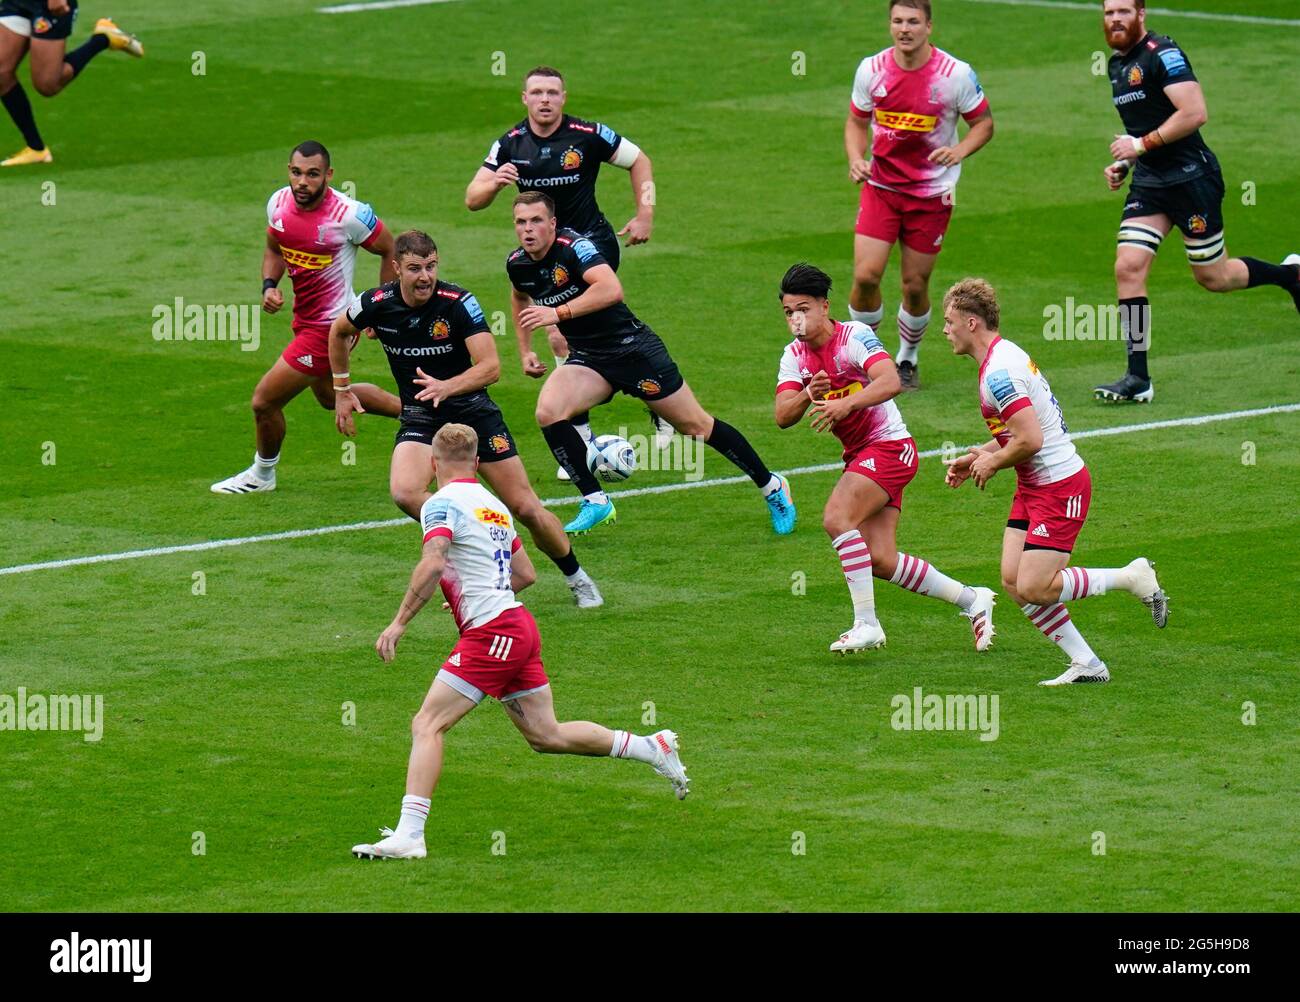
843,391
492,517
905,121
301,259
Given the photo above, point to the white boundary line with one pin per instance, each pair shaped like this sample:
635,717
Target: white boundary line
356,8
1199,15
216,544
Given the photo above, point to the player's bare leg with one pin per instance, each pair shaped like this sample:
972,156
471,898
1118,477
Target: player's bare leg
1229,274
870,259
409,474
534,716
13,48
913,313
683,412
509,481
375,399
571,390
853,501
280,384
442,709
916,575
1139,239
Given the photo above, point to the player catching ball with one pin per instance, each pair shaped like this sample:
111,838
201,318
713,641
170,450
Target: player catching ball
42,27
314,232
905,105
560,277
472,552
844,373
1053,487
1176,182
424,323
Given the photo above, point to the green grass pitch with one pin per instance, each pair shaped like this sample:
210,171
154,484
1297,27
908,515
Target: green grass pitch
224,711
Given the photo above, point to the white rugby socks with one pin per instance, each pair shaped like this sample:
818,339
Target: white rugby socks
910,331
264,468
1053,621
855,562
415,810
634,746
871,318
917,575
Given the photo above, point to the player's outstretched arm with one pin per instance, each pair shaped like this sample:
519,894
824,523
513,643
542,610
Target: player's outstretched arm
857,138
383,247
272,271
485,184
342,334
638,228
1025,441
424,582
485,370
522,571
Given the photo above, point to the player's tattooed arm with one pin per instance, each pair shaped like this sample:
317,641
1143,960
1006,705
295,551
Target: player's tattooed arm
272,271
424,582
533,366
485,370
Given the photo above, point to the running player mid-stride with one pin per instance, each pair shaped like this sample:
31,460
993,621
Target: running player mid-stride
471,550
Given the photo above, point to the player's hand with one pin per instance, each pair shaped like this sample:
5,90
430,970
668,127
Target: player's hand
958,470
435,390
1115,174
982,468
272,300
345,405
537,316
828,412
1122,148
819,386
370,333
946,156
859,170
59,7
534,367
386,645
506,175
637,230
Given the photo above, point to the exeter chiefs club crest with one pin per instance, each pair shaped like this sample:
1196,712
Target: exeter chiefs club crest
41,25
1197,224
1135,76
649,387
560,275
499,444
571,160
440,330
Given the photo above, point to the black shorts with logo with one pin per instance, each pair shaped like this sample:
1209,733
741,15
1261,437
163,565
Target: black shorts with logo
1195,206
495,443
42,24
638,365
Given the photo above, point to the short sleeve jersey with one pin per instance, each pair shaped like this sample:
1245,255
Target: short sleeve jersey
845,358
1138,80
557,278
1009,381
476,581
430,337
912,114
564,165
319,248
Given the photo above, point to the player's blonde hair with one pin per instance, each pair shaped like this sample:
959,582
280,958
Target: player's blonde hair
976,298
455,442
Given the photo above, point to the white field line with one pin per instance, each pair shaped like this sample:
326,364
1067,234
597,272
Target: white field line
1200,15
356,8
216,544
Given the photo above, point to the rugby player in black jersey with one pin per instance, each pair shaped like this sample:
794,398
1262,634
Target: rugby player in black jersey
1176,182
558,276
443,357
561,155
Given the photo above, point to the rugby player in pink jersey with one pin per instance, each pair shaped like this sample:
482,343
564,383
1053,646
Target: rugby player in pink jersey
905,105
1053,486
844,373
313,232
472,552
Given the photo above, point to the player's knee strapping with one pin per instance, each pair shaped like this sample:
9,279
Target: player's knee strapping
1202,251
1143,237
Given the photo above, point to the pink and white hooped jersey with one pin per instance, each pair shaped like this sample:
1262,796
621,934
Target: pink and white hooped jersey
845,358
320,250
476,581
1009,382
913,113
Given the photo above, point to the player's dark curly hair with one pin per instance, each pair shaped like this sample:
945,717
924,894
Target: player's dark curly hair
804,279
311,148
